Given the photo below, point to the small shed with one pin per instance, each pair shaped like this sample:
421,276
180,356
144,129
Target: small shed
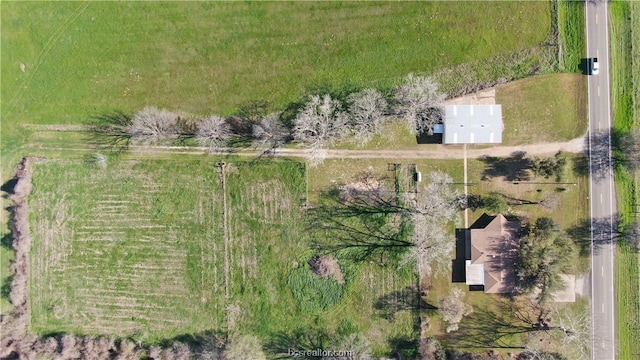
473,124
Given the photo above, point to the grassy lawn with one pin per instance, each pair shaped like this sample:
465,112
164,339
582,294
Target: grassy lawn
572,197
212,57
625,98
571,29
159,248
544,108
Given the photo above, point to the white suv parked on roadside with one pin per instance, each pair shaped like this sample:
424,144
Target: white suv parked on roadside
594,66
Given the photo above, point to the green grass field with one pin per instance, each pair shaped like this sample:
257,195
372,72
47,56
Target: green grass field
84,58
212,57
544,108
625,72
160,248
143,248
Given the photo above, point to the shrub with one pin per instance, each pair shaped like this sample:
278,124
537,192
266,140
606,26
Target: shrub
312,292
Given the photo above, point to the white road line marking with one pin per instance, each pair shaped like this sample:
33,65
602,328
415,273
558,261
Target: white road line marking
601,197
602,308
598,90
603,271
596,18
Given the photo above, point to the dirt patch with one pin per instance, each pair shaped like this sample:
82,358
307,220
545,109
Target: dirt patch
326,266
483,97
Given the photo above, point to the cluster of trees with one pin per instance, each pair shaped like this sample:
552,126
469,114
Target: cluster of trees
240,347
324,120
544,253
319,122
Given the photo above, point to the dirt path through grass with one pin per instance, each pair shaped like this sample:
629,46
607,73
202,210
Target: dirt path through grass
576,145
428,152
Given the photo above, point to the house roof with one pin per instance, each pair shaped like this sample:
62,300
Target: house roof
493,247
473,124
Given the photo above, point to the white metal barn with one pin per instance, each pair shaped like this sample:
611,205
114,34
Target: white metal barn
473,124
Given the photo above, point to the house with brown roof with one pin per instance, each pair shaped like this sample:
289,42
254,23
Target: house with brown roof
491,248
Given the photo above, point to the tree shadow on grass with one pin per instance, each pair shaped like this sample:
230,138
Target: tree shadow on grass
108,131
488,329
581,165
302,339
407,299
516,167
404,347
360,237
208,340
8,187
7,241
5,289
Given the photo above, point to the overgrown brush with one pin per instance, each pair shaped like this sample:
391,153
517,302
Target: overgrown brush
312,292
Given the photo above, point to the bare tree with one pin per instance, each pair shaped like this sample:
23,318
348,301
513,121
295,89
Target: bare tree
177,351
431,249
367,110
570,327
438,201
431,349
431,209
419,101
155,352
355,346
320,123
127,350
453,309
270,132
243,347
213,131
100,348
151,125
575,327
71,347
550,202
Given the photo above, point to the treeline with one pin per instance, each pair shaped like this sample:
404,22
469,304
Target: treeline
316,124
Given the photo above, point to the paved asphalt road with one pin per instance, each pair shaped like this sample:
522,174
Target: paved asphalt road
603,204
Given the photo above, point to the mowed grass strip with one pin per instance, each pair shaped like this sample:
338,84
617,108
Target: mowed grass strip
544,108
625,100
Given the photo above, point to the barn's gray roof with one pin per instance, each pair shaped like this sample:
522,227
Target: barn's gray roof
473,124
